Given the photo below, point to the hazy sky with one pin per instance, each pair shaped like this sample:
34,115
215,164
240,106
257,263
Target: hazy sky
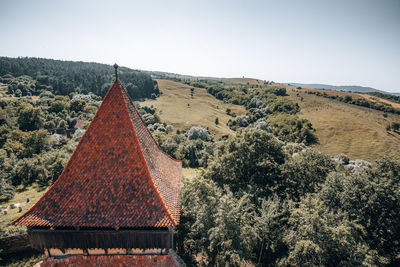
335,42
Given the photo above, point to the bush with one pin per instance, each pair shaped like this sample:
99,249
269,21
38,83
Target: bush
7,191
262,124
395,126
198,132
290,128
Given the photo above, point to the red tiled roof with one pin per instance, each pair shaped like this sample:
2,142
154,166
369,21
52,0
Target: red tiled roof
116,177
112,260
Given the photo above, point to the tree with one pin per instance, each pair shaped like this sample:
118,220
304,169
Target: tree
58,106
7,191
200,199
29,118
304,173
233,237
251,159
348,98
316,237
371,197
291,128
77,105
270,224
35,142
216,121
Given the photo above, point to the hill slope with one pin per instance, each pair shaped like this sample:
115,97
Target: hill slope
36,75
356,131
176,107
340,127
349,88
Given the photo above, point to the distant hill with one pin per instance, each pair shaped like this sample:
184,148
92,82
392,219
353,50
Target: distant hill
209,80
65,77
349,88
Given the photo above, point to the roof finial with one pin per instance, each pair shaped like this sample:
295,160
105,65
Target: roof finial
116,72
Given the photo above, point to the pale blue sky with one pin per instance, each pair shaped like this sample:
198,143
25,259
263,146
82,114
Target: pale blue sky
350,42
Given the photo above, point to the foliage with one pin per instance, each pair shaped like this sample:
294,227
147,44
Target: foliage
233,236
307,209
198,132
359,101
29,153
250,160
371,197
290,128
193,152
36,75
261,102
7,191
218,225
394,98
29,118
270,224
316,237
304,172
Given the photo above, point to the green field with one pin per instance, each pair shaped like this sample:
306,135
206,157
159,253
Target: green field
356,131
176,107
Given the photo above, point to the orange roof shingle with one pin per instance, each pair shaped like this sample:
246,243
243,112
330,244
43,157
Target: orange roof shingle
113,260
117,176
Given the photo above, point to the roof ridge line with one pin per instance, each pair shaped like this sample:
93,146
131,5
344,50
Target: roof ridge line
144,159
148,131
69,161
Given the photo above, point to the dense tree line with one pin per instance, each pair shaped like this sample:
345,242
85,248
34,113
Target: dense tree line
394,98
263,202
66,77
385,107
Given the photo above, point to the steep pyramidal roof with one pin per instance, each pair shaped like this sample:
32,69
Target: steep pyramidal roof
116,177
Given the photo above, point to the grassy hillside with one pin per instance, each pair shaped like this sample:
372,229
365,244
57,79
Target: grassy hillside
356,131
354,95
174,76
176,107
350,88
340,127
34,193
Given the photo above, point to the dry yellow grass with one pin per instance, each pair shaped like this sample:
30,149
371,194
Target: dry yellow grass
244,80
354,95
191,173
34,193
344,128
176,107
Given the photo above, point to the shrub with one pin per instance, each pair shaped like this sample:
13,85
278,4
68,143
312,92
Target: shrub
198,132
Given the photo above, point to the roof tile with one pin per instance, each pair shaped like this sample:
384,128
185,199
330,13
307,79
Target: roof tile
117,176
